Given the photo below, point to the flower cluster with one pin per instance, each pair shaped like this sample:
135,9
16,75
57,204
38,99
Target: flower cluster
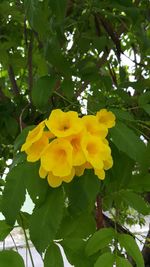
66,145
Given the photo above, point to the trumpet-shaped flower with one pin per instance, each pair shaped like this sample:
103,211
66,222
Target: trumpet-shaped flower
93,127
95,151
106,118
79,170
55,181
42,172
100,173
57,157
108,163
63,124
78,156
35,150
33,136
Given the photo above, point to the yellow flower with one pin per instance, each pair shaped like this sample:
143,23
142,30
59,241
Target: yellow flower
35,150
33,136
108,163
106,118
79,170
57,157
78,156
63,124
95,150
93,127
100,173
42,173
55,181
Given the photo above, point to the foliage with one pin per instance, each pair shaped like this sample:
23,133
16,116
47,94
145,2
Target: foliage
82,56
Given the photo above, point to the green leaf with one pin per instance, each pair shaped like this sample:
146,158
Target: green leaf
53,257
99,240
11,125
59,9
131,248
140,183
144,99
122,262
67,87
82,192
36,187
42,90
105,260
146,107
122,114
127,141
46,219
14,194
23,220
75,252
5,229
10,258
54,55
79,226
135,201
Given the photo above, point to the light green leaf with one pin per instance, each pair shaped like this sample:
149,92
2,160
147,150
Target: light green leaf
42,90
14,194
53,257
136,201
10,258
99,240
5,229
122,262
46,219
105,260
127,141
131,248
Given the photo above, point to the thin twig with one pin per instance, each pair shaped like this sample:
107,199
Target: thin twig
27,243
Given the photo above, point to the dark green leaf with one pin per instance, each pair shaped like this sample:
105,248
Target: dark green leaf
36,187
14,194
127,141
140,183
23,220
67,87
10,258
82,192
59,9
79,226
42,90
75,252
53,257
5,229
99,240
131,248
46,219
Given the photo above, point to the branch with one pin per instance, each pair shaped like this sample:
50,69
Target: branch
111,32
13,82
30,66
99,213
